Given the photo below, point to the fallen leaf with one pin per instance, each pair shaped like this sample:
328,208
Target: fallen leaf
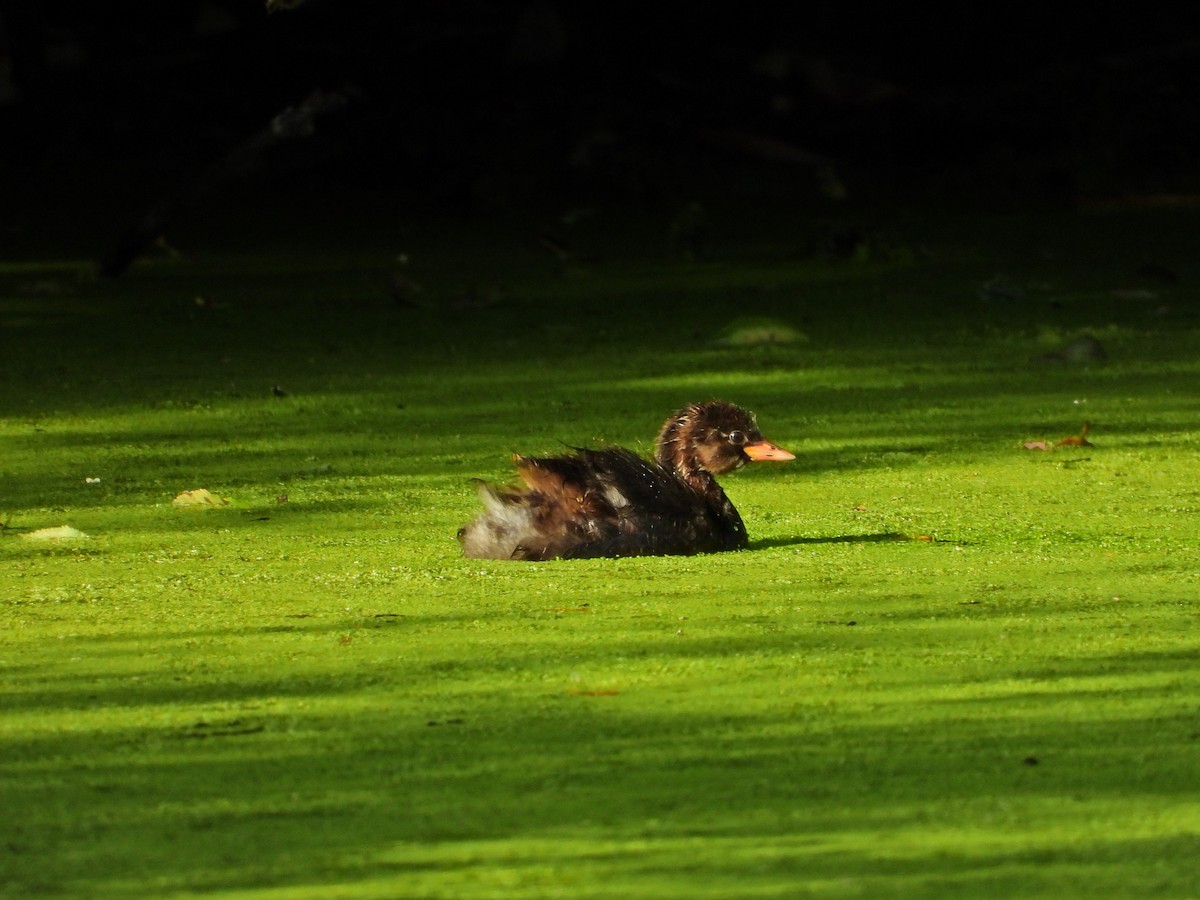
1076,440
1079,440
200,498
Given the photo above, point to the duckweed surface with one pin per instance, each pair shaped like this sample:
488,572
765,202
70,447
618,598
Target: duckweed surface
950,664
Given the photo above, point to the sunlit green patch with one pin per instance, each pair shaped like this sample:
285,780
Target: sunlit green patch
947,665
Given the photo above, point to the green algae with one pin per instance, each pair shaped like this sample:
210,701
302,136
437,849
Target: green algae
946,666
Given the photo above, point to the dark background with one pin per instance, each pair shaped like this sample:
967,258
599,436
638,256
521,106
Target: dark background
108,108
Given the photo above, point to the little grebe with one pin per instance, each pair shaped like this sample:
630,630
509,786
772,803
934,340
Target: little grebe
615,503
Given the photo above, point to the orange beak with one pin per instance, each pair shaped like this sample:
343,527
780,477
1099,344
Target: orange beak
765,451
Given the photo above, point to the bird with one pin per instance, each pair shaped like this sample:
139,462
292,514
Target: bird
613,502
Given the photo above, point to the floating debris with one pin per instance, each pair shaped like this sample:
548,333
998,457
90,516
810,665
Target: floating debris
58,533
1075,440
1001,290
201,498
754,332
1080,351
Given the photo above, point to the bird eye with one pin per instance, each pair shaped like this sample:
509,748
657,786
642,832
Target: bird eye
737,438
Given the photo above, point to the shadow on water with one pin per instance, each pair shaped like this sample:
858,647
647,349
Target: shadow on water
437,762
884,537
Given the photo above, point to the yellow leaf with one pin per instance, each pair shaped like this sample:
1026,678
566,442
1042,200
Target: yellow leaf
200,498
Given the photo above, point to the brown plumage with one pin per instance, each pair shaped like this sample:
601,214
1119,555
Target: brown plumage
615,503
